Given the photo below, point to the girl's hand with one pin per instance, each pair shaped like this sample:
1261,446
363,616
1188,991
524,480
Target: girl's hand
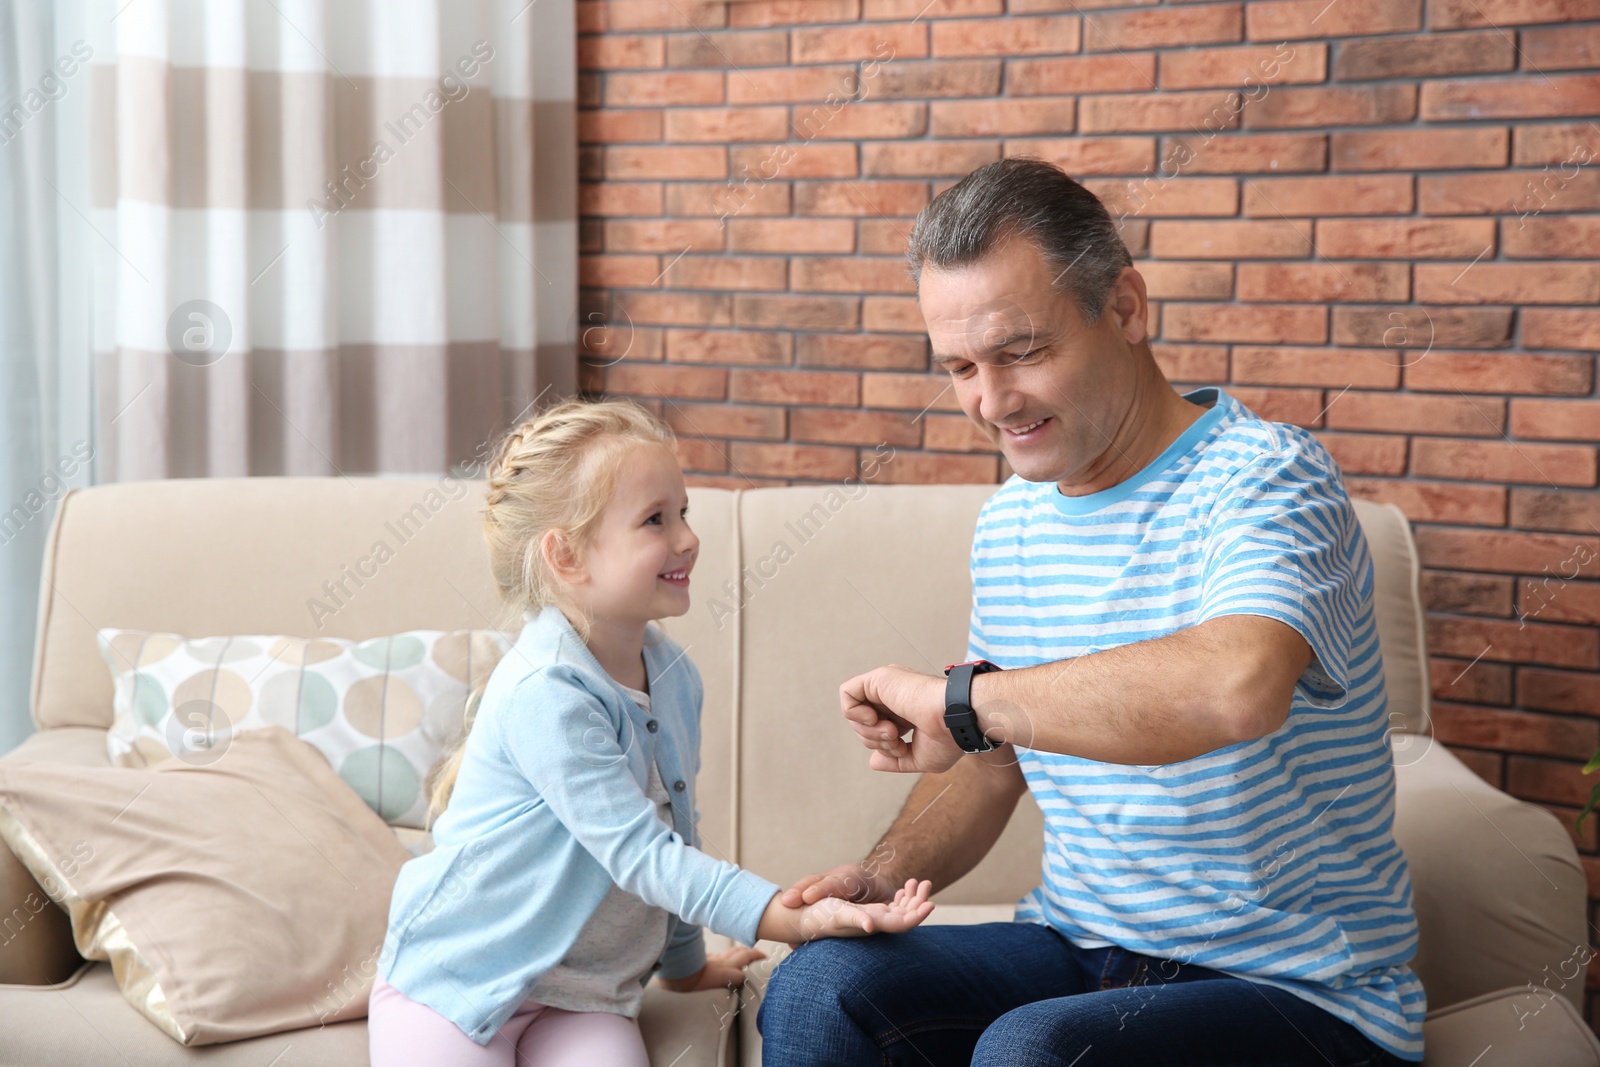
723,970
833,917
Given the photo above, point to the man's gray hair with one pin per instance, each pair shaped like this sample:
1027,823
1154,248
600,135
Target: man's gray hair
1032,199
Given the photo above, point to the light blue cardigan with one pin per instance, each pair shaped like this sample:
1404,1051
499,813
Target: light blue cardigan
548,812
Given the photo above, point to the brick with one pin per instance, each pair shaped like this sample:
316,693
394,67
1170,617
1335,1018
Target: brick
815,462
654,308
1083,156
662,235
1554,142
936,78
883,41
1555,509
1128,30
1300,407
644,161
1246,66
1561,48
1465,14
1523,193
938,9
1243,153
758,49
835,82
1553,598
791,235
1503,461
1453,502
1500,372
1514,642
727,420
840,427
1507,553
1133,112
619,124
604,340
699,454
1486,765
1507,283
916,392
1366,453
1135,234
1402,413
954,433
727,124
677,88
859,120
797,312
1166,197
1511,98
1464,593
1418,329
791,160
1002,118
836,389
1550,237
1556,420
1426,55
1334,368
1474,683
620,198
1352,105
1513,731
621,15
1291,20
863,351
660,380
1135,72
590,89
1263,323
1253,239
885,198
1379,194
1010,36
1324,281
1178,280
1191,363
892,314
1444,149
939,468
1407,238
1558,690
729,346
634,272
883,236
926,158
728,272
621,52
789,12
724,199
851,274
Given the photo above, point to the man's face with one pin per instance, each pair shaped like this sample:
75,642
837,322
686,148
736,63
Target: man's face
1050,391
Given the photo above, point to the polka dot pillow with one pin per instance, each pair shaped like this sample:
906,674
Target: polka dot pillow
382,711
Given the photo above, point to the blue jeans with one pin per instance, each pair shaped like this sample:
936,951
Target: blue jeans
1022,995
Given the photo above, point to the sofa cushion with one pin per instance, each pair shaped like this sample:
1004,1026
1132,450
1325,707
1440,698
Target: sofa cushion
265,851
382,710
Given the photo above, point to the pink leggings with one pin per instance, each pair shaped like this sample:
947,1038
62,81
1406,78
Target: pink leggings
403,1033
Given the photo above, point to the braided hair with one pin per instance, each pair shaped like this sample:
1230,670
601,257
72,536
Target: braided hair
554,472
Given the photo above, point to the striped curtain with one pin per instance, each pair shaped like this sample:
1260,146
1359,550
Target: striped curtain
332,236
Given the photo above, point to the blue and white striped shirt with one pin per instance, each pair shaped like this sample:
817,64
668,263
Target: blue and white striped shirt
1273,859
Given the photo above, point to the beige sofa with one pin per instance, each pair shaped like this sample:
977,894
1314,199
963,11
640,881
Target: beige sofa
865,575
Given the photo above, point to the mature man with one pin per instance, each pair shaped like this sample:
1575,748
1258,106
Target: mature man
1181,600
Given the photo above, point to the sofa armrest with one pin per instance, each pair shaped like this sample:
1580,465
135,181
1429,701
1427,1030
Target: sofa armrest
1500,893
36,946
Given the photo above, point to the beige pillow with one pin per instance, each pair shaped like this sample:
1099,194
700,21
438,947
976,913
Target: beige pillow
242,897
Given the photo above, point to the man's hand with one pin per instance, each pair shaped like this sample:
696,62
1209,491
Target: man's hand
885,704
851,882
723,970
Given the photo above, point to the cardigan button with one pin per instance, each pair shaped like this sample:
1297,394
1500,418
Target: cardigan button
679,786
652,726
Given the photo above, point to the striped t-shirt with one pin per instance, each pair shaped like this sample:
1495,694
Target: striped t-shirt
1273,859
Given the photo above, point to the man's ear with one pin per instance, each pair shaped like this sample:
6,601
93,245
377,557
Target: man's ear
562,556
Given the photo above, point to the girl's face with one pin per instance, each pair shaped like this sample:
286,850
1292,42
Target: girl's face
637,567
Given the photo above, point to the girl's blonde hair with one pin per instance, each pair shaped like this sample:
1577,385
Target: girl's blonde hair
556,471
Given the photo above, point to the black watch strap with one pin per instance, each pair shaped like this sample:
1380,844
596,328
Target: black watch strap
959,717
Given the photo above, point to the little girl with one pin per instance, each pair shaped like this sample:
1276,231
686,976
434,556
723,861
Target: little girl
565,869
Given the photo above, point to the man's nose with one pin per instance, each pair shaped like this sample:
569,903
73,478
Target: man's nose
998,399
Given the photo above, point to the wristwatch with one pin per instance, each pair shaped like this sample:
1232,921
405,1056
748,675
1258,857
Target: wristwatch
959,717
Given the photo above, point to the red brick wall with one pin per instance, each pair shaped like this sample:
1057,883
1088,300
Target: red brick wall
1374,218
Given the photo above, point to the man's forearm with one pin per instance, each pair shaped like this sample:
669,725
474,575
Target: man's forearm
950,821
